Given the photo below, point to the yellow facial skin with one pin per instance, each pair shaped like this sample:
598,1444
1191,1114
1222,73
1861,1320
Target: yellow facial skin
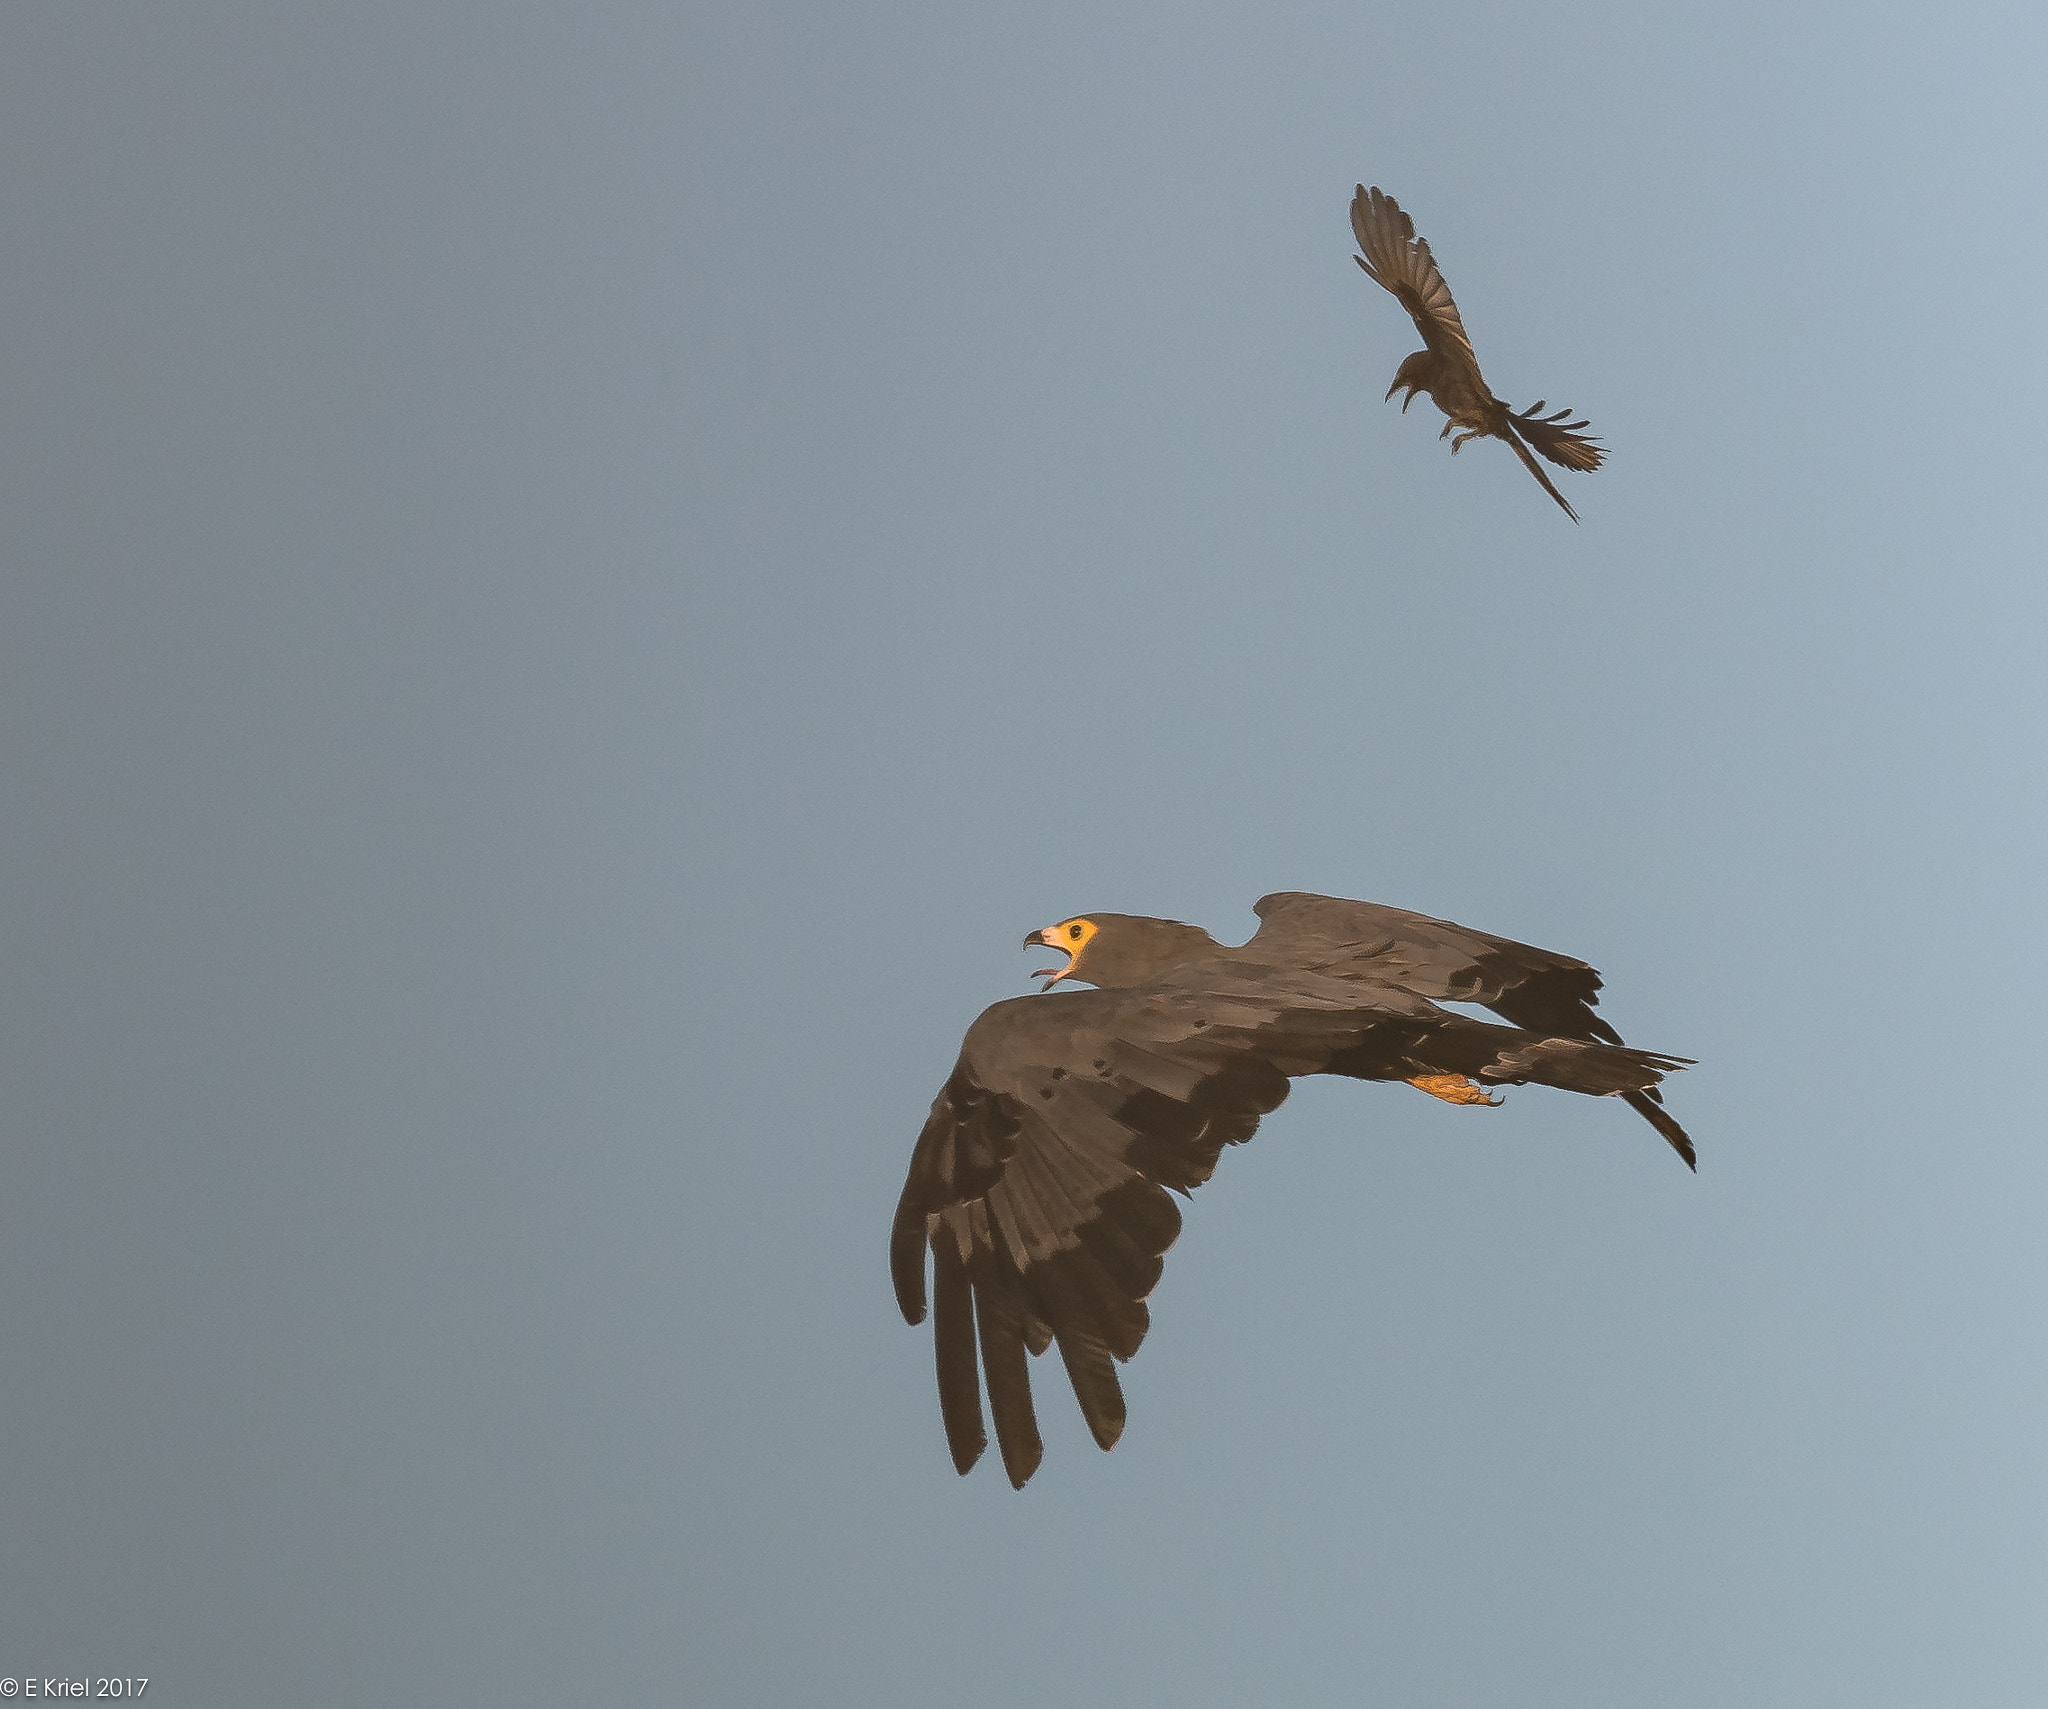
1073,936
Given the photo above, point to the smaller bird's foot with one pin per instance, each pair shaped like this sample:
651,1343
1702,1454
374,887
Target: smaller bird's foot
1452,1088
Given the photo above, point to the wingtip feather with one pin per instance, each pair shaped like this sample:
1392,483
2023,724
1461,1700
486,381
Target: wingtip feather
906,1261
958,1365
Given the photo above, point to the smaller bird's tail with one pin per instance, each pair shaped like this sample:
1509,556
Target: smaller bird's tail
1535,468
1560,440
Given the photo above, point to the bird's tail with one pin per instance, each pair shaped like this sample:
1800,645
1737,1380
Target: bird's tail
1488,1055
1602,1070
1652,1111
1558,439
1580,1065
1535,468
1493,1055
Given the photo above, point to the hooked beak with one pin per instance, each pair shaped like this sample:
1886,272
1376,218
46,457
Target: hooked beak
1051,975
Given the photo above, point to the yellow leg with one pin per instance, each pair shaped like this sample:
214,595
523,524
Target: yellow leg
1452,1088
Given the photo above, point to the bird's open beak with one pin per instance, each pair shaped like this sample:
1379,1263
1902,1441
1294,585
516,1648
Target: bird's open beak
1051,975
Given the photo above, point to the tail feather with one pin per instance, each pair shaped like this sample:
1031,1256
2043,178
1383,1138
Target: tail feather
1558,439
1576,1065
1648,1105
1535,468
1579,1065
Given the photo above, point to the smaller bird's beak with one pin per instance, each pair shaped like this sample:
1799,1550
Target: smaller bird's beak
1037,937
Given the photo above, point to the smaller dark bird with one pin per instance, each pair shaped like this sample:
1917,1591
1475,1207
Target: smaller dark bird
1447,370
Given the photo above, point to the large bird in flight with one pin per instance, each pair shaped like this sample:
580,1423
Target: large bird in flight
1447,369
1039,1185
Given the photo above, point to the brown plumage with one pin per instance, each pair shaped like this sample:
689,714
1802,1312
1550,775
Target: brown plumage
1447,370
1040,1182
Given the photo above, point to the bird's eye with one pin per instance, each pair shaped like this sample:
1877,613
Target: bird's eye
1073,931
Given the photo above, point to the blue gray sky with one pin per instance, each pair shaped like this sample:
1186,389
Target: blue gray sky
577,577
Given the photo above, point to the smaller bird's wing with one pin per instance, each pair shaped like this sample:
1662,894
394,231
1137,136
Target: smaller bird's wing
1039,1183
1398,259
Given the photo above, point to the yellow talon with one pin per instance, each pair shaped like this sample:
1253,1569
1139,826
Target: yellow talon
1452,1088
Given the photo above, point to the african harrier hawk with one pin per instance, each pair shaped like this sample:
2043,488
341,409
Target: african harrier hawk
1039,1184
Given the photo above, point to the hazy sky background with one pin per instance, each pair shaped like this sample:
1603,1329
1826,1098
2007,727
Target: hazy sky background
577,577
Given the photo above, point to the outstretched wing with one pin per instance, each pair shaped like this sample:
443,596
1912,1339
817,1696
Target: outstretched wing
1040,1183
1536,989
1398,259
1533,988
